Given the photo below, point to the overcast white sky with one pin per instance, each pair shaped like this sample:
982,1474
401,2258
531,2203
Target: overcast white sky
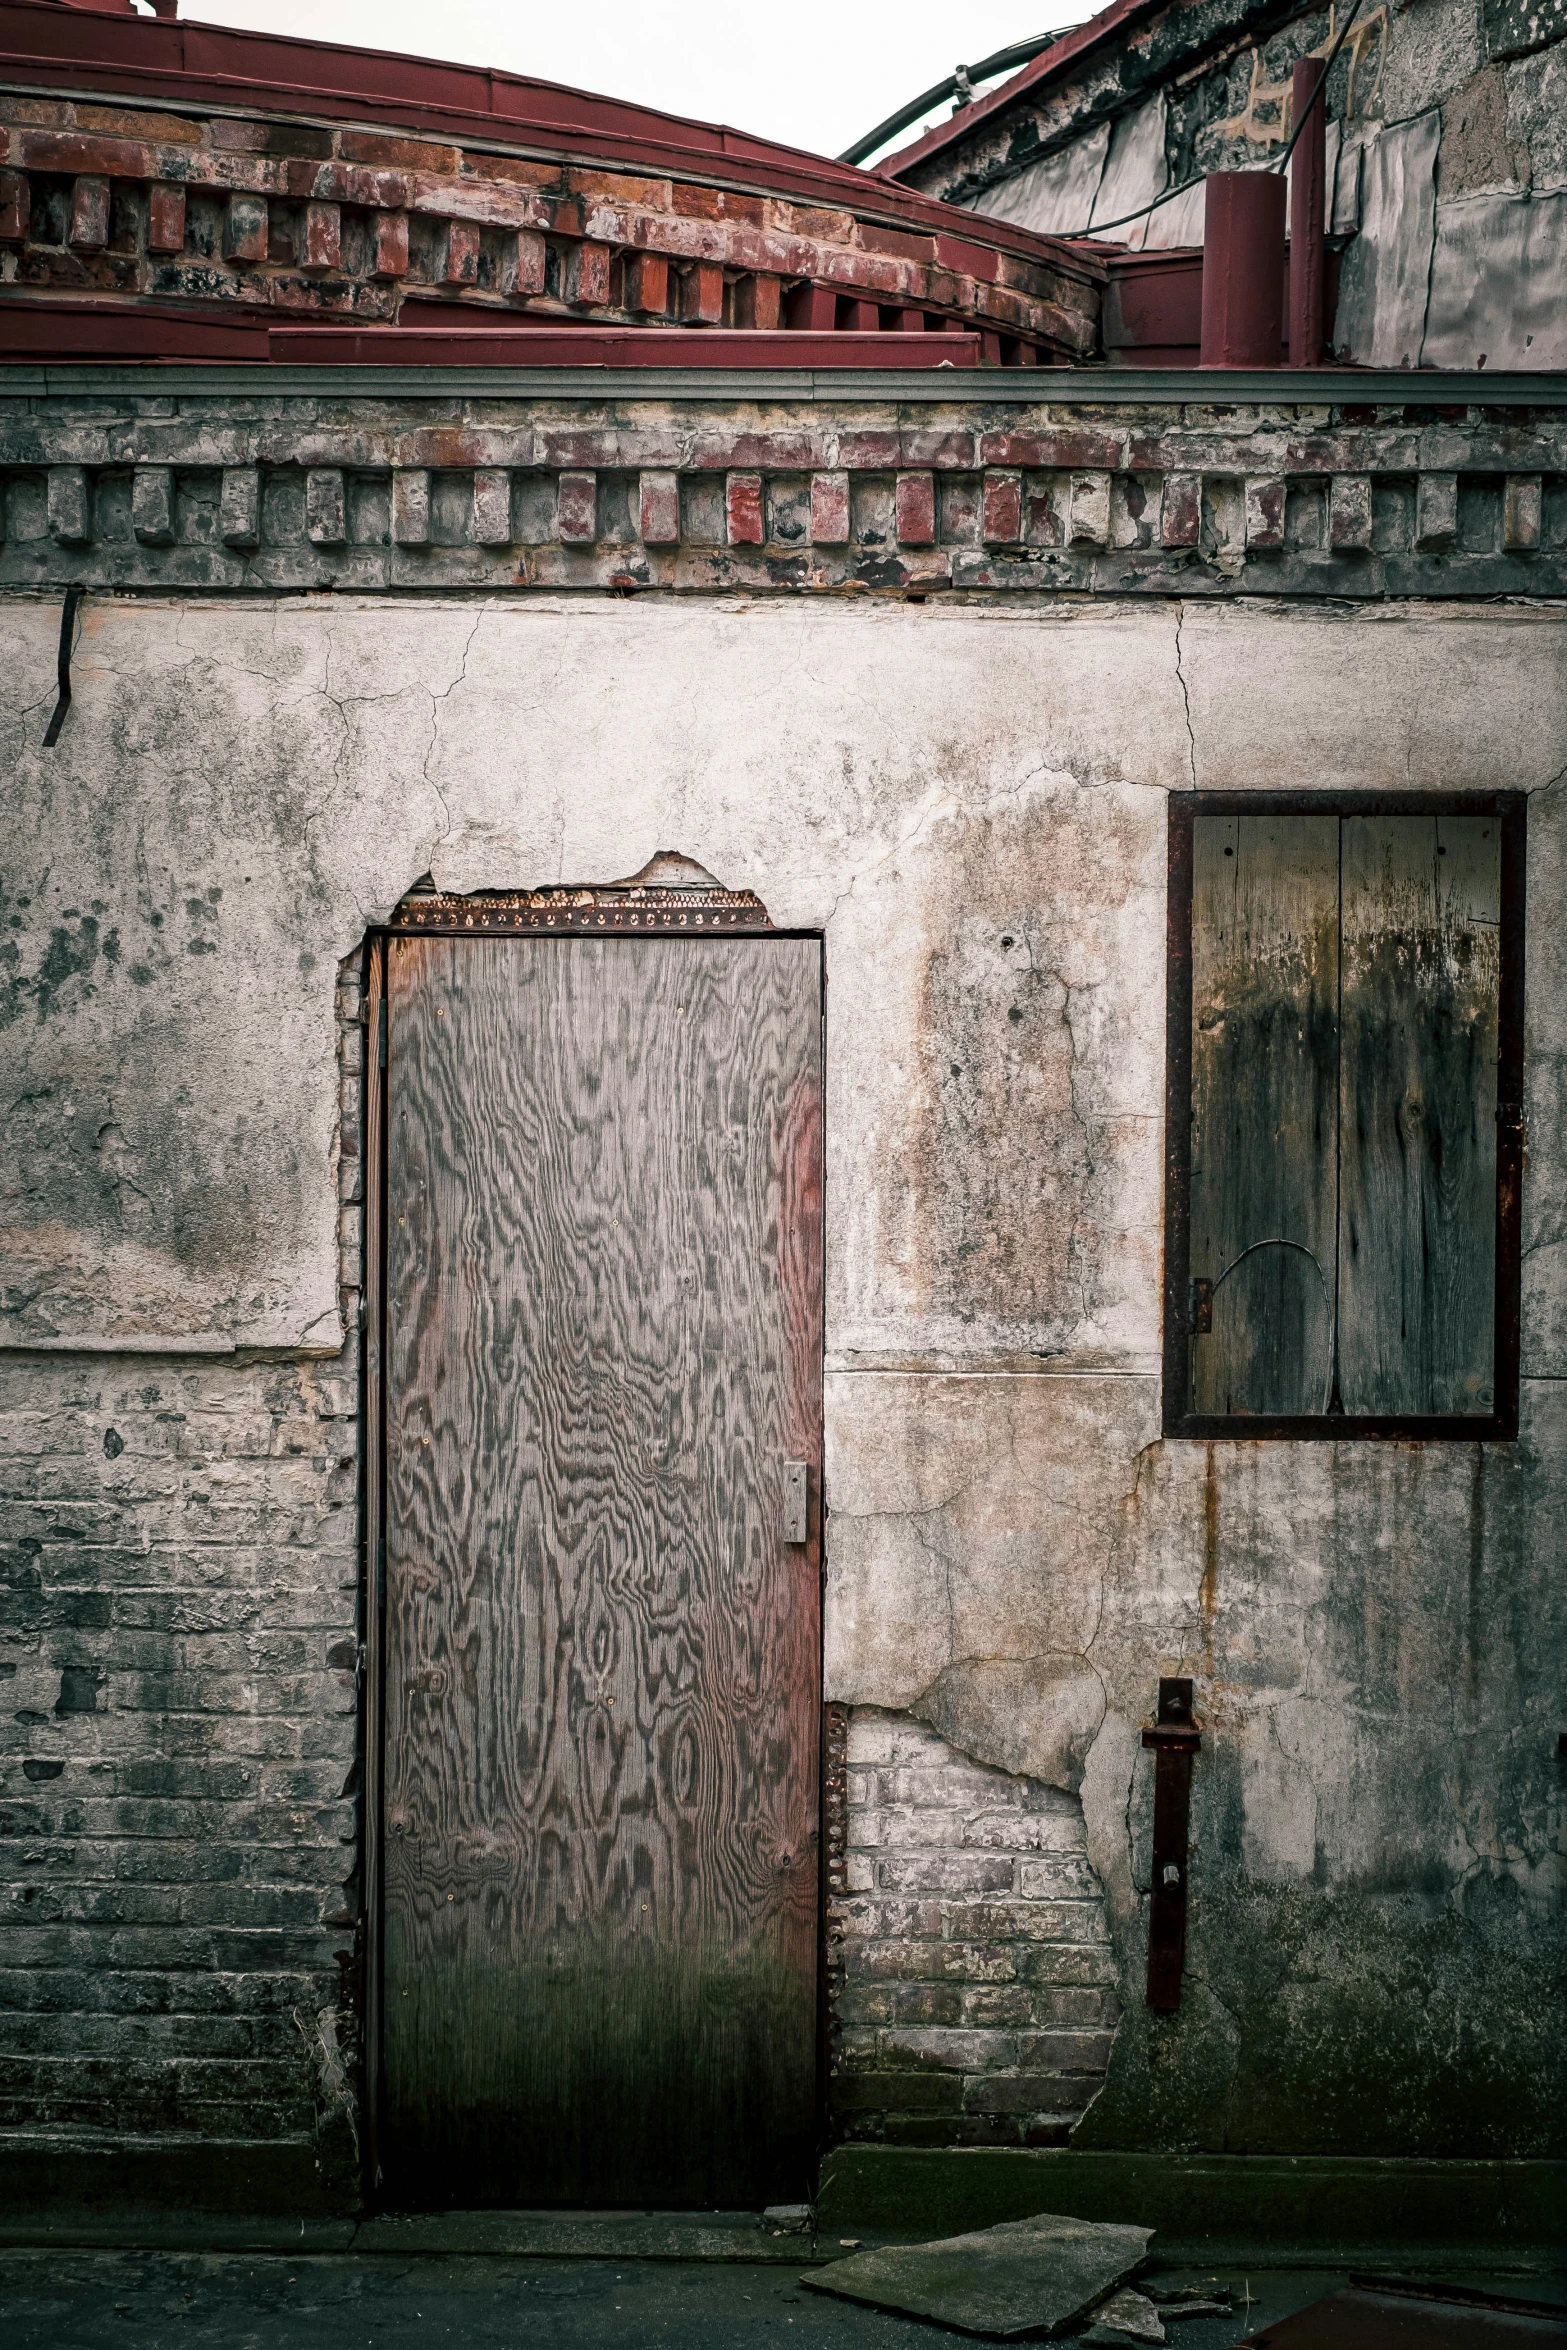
816,73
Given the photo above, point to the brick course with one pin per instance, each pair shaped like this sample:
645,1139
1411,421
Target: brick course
179,1647
973,1982
514,493
191,209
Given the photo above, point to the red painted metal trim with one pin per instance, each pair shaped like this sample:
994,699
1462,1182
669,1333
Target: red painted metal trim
34,330
1243,305
373,1502
145,60
588,346
1072,45
1152,315
1308,192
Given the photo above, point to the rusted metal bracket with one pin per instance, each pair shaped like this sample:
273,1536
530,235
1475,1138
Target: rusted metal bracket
1174,1738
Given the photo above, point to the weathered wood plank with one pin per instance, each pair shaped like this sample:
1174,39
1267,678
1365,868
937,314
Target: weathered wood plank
1421,980
603,1342
1264,1110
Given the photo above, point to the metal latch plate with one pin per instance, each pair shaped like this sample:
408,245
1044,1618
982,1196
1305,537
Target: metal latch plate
796,1502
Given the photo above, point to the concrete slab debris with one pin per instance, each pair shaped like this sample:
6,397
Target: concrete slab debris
787,2219
1027,2276
1128,2316
1207,2298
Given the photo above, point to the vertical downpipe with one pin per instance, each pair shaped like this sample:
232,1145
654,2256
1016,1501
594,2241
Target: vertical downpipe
1308,208
1243,269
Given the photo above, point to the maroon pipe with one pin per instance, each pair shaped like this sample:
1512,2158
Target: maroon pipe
1243,269
1308,204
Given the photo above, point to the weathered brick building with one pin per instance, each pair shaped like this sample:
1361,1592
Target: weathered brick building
465,544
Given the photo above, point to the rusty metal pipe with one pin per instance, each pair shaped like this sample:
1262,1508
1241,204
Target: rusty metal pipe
1308,206
1243,270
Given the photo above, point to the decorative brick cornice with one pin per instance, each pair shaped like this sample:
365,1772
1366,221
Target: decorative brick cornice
289,219
247,495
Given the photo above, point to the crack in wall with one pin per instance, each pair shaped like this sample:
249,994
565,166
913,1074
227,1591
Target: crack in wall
436,699
1186,699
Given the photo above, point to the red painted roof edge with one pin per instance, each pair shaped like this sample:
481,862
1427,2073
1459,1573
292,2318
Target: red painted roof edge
144,59
1072,45
84,331
718,347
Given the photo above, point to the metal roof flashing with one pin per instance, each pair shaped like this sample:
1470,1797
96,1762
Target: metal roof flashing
1056,388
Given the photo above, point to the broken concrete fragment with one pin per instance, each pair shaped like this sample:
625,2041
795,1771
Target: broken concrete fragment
1027,2276
1127,2316
1203,2297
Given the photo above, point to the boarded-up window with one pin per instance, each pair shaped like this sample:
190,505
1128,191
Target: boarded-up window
1345,1048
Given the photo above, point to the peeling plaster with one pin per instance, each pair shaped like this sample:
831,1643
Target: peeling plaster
1376,1784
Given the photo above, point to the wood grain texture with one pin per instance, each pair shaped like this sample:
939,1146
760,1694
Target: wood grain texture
373,1617
1264,1109
1421,985
603,1663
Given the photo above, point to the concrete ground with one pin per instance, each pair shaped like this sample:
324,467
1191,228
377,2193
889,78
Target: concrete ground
75,2298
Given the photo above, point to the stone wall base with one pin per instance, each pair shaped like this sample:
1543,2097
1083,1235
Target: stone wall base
1205,2206
140,2184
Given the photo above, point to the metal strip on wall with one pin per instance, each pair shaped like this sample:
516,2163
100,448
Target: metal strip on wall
375,1543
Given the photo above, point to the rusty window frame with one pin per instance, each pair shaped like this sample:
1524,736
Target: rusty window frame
1501,1423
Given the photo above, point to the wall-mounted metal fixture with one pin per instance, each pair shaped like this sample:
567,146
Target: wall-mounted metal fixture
797,1518
73,597
1174,1738
1308,205
1243,269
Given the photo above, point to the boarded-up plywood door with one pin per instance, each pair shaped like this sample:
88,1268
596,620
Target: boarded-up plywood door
603,1344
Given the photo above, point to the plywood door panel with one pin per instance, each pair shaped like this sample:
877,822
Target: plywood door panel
603,1342
1264,1109
1421,978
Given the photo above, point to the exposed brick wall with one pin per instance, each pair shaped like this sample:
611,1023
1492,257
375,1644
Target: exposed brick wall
178,1726
973,1978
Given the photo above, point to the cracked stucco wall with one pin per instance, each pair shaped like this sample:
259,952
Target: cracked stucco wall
971,805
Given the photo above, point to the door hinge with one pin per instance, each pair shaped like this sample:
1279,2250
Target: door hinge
1199,1308
380,1044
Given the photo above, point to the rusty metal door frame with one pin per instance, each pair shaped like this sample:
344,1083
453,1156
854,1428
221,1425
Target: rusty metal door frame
563,913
